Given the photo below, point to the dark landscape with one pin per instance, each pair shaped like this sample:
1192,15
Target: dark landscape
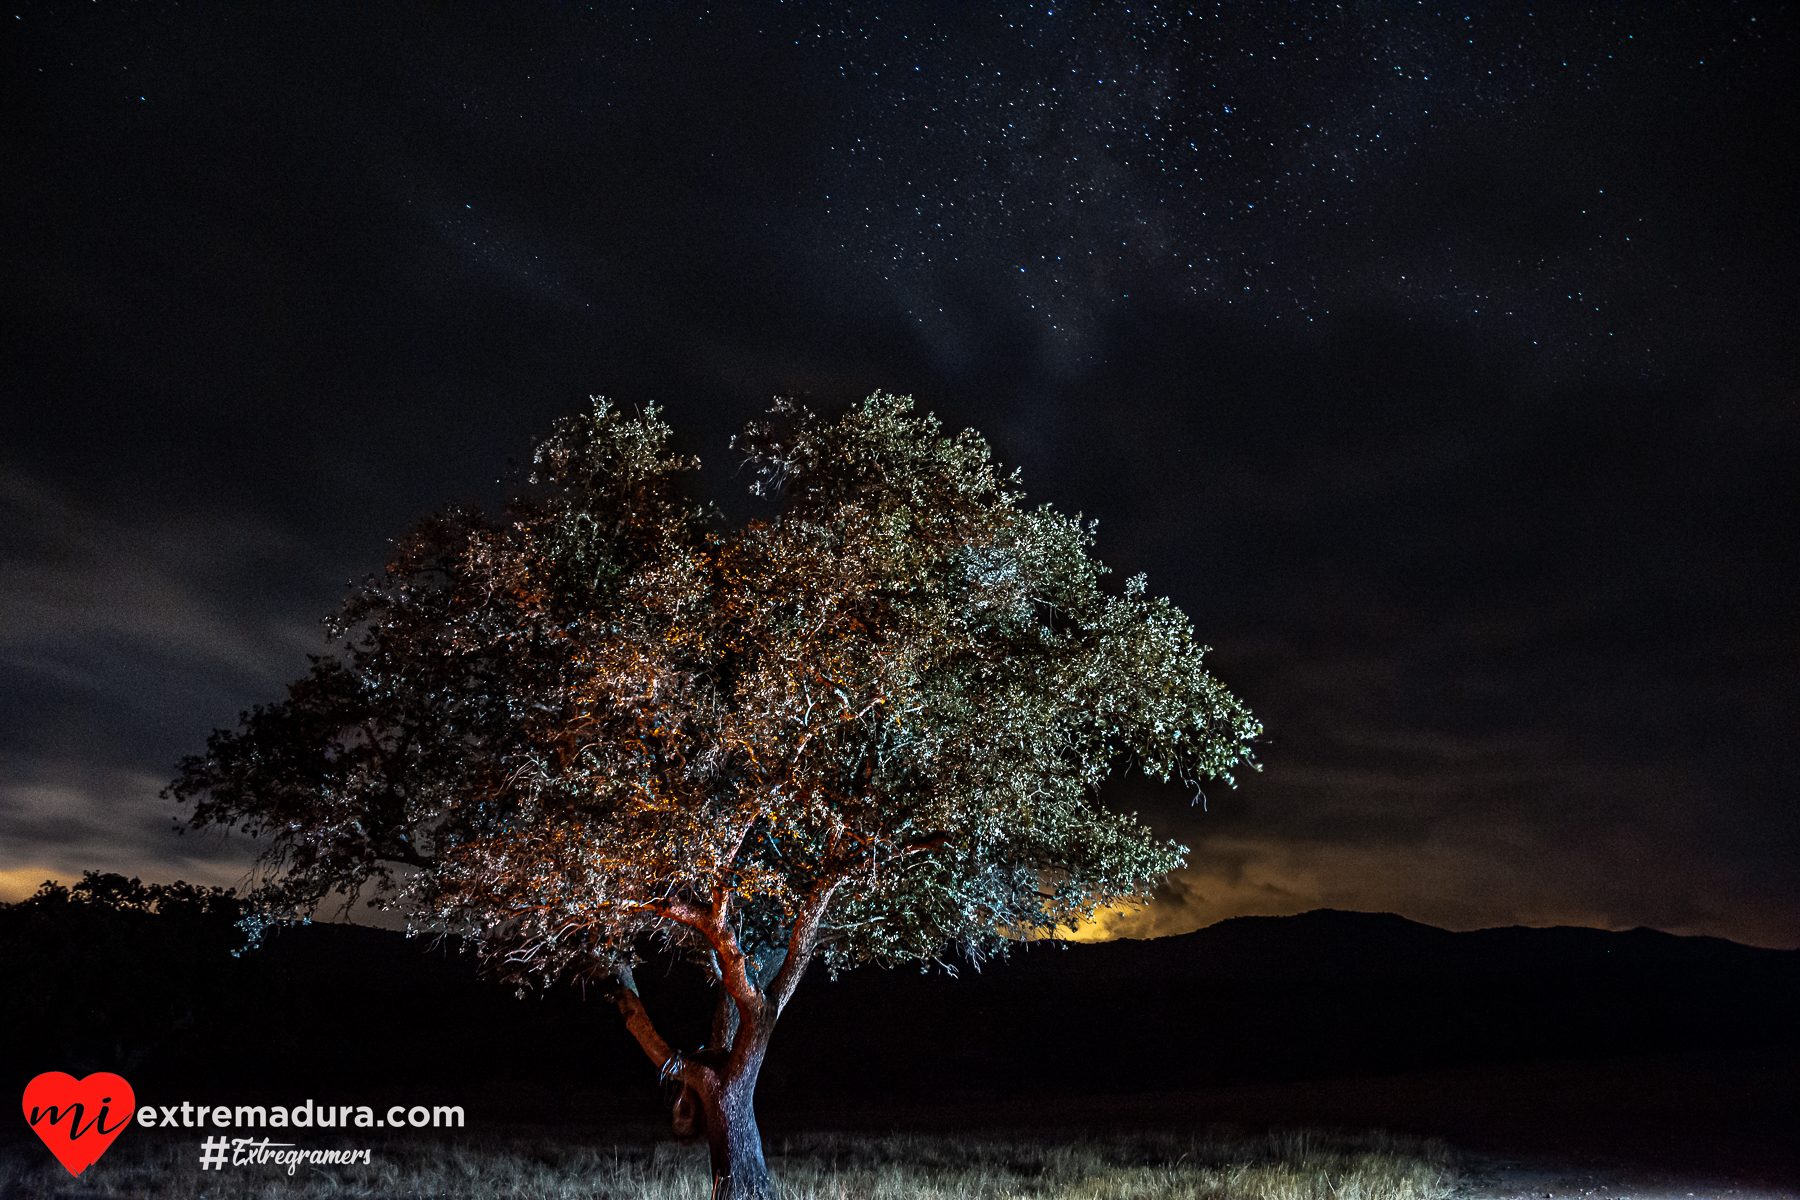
1614,1049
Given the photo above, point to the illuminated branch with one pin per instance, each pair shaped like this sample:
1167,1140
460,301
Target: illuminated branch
734,967
623,993
801,943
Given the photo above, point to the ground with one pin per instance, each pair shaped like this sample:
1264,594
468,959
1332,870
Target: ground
1499,1177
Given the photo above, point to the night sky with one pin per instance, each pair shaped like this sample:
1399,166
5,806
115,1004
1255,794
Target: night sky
1440,366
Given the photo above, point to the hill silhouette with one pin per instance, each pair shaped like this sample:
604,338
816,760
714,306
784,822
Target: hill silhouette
1319,995
1325,994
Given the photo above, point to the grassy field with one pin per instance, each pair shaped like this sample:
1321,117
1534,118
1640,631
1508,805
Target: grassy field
1298,1165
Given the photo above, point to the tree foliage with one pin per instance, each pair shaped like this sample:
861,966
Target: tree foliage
869,727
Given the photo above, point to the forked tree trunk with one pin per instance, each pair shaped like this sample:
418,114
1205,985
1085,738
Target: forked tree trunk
722,1083
752,993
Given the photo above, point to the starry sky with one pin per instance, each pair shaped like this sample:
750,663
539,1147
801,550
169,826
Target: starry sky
1439,363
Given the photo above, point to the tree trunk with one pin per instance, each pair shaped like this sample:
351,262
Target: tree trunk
723,1080
735,1143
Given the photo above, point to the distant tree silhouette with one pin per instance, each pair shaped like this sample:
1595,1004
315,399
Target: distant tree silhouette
868,729
112,974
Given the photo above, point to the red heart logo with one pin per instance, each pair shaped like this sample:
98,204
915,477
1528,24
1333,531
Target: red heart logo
76,1117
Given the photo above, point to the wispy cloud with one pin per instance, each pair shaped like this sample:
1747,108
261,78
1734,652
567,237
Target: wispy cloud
123,638
81,588
56,822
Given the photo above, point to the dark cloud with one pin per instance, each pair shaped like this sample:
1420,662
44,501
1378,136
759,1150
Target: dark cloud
122,633
58,820
1439,365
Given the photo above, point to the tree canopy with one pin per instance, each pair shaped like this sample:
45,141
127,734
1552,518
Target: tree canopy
870,727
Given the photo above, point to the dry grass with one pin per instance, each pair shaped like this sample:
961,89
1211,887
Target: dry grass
1288,1166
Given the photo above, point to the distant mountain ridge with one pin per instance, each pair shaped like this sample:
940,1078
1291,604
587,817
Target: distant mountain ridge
1328,942
1325,993
1322,994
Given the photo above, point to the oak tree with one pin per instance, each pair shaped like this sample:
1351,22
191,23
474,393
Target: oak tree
868,728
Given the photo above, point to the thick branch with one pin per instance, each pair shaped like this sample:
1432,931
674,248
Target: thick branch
637,1019
733,965
801,943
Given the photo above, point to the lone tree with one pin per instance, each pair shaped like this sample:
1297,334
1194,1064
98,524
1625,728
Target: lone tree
868,729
